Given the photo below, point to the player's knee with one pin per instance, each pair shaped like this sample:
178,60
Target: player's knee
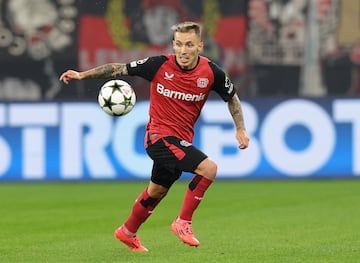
212,170
157,191
207,168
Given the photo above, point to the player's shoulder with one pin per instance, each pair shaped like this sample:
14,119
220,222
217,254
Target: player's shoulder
146,67
159,58
215,68
211,63
205,59
153,60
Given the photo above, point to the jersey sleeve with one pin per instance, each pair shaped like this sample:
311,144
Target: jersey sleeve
222,83
146,68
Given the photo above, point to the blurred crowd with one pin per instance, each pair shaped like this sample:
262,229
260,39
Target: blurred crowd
268,47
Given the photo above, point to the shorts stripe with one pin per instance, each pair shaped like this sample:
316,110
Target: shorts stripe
180,154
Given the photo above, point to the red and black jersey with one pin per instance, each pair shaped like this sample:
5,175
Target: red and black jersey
176,95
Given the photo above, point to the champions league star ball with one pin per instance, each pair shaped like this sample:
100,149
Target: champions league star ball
117,97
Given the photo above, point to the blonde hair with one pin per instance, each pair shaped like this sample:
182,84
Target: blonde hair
187,26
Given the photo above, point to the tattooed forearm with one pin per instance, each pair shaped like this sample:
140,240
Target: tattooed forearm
112,70
236,112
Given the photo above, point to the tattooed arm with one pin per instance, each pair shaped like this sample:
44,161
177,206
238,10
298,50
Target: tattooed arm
111,70
234,106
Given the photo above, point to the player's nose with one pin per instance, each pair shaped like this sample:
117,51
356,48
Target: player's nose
183,49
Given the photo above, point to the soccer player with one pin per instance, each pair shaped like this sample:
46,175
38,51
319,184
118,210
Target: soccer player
179,86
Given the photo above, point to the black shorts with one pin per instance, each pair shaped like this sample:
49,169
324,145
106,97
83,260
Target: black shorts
171,157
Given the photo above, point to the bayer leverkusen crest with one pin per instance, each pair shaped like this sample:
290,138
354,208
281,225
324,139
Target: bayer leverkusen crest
202,82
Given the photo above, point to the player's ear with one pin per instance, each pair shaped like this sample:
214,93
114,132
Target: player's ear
200,46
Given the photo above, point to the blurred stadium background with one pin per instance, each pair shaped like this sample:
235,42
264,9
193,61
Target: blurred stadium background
295,64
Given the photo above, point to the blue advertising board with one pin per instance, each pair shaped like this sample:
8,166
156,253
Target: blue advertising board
290,138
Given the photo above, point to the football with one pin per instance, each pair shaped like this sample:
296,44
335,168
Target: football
116,97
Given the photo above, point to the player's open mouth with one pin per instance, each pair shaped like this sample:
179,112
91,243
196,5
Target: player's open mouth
184,60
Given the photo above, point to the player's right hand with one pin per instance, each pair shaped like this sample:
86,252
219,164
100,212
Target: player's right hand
70,75
243,139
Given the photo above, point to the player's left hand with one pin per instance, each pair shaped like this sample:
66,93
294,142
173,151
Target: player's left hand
243,139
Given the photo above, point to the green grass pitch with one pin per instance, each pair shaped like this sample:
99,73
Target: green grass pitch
315,221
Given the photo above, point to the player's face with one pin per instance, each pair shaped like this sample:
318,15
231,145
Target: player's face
187,47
